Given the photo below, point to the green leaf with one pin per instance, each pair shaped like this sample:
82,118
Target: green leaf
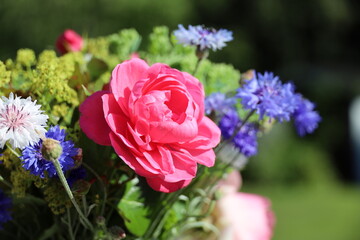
132,208
96,68
49,233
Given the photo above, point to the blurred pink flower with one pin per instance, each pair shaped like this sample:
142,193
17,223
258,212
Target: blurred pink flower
231,183
154,119
134,55
244,216
69,41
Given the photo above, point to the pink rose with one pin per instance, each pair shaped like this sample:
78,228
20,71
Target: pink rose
231,183
245,216
154,119
69,41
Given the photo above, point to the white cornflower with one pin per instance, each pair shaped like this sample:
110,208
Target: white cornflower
21,121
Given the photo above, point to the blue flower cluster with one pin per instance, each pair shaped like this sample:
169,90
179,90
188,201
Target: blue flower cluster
305,118
246,137
203,38
5,205
218,103
268,96
34,161
75,175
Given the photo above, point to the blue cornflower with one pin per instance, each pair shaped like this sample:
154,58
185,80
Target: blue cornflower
5,205
305,118
34,161
219,103
268,96
203,38
246,139
75,175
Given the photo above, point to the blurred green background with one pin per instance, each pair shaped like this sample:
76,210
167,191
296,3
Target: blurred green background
312,181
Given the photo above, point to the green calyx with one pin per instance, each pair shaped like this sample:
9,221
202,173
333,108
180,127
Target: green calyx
51,149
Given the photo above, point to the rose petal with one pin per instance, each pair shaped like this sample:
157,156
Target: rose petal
208,136
92,121
169,132
248,215
203,157
129,158
159,184
185,167
124,77
196,90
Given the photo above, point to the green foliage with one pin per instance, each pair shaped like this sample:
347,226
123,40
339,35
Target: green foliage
221,78
124,43
132,208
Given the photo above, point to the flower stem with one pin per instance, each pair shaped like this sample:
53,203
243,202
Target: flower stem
199,60
69,224
60,173
12,150
103,187
157,223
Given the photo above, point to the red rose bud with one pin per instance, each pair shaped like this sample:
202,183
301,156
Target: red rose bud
78,158
81,187
69,41
117,233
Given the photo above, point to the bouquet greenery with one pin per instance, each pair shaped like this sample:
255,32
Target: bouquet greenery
110,139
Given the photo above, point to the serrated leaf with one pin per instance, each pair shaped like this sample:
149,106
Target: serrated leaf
133,209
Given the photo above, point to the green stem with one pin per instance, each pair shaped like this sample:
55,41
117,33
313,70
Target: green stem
156,225
69,224
60,173
199,60
5,182
13,150
103,186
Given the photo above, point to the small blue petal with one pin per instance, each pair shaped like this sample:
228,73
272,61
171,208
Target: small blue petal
219,103
268,96
33,160
203,38
306,120
246,139
5,205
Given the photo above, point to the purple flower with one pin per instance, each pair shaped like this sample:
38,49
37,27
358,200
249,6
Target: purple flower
219,103
5,205
75,175
246,139
268,96
305,118
34,161
203,38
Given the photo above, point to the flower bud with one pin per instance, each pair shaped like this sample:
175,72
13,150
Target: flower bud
202,54
78,158
117,233
80,187
100,221
51,149
69,41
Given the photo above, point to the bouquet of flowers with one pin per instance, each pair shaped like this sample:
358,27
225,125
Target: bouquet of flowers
110,139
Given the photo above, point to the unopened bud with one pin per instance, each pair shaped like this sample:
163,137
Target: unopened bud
80,187
117,233
78,158
51,149
202,54
100,221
